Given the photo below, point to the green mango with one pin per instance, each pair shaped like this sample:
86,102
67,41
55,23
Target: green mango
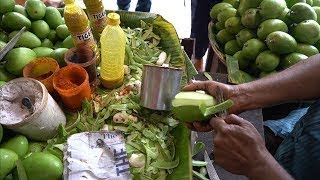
6,6
18,144
42,51
46,43
62,31
5,75
17,58
3,36
53,17
20,9
68,42
2,45
15,21
52,36
40,28
8,159
27,39
36,9
43,166
58,45
58,55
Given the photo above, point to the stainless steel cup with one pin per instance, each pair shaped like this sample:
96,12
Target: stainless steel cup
159,86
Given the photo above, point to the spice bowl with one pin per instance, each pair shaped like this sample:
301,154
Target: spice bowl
84,57
42,69
72,84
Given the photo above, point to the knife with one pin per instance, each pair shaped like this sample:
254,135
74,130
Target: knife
210,168
11,44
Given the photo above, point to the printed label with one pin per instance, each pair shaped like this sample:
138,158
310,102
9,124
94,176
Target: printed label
99,16
99,21
81,37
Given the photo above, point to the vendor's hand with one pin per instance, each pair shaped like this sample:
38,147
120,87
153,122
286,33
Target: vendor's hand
229,92
238,146
203,126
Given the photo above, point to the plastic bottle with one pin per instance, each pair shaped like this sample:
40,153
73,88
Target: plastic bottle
97,16
113,43
78,25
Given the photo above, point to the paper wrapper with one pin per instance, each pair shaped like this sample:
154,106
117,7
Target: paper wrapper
96,155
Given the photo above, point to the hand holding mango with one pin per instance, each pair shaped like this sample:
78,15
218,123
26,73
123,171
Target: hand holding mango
195,106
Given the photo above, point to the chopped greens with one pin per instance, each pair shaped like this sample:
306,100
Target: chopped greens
198,147
149,143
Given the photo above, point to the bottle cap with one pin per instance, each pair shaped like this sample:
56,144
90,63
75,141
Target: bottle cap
113,19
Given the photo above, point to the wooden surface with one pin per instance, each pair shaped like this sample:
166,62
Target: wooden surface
254,116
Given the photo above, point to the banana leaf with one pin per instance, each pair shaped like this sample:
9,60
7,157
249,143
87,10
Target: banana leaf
171,44
235,75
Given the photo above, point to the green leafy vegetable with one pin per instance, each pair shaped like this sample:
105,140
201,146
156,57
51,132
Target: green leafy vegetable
198,147
198,175
199,163
22,175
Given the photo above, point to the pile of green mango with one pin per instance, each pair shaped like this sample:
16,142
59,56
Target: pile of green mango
46,35
21,159
263,37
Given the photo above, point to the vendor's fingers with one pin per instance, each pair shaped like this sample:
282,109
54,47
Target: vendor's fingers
190,126
197,126
217,124
202,126
197,85
234,119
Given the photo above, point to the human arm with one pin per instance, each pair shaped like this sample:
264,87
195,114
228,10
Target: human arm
239,148
299,82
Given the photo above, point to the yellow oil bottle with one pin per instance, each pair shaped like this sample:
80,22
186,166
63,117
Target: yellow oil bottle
97,16
78,25
113,43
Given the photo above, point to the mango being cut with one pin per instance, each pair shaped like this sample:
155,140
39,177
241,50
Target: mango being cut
196,106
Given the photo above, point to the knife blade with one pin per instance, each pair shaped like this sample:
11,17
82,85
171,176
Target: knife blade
210,168
193,139
11,44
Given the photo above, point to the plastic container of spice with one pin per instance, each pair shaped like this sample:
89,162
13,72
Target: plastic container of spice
84,57
28,108
42,69
72,84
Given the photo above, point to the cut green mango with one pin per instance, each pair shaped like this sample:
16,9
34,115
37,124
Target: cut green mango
195,106
193,99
